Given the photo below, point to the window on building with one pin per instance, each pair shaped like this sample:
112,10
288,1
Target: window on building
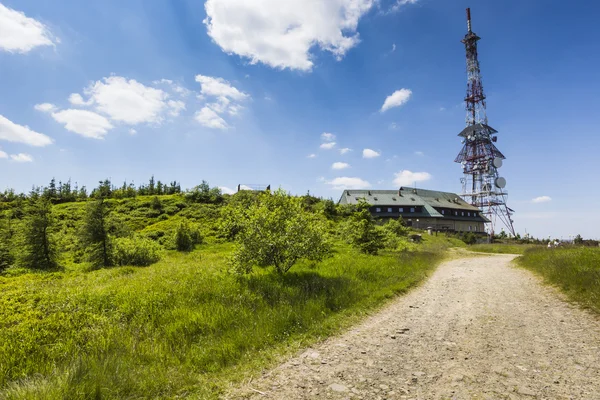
412,209
443,212
401,209
463,213
456,213
389,209
475,228
469,228
468,214
378,209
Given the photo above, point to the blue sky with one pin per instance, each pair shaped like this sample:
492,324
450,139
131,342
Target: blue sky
237,91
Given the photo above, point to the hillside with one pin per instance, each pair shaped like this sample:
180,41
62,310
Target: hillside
185,325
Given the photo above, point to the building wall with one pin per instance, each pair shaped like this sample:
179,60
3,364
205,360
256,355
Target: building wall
438,224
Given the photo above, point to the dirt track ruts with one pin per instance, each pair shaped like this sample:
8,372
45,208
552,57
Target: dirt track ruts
477,329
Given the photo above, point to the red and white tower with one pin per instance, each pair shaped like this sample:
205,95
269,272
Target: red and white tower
483,187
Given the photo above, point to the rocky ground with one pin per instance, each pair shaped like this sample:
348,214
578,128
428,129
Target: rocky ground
477,329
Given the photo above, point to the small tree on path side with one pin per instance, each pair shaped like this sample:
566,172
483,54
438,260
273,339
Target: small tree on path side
276,231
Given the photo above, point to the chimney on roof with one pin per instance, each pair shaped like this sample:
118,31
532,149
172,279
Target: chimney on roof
400,191
369,192
347,193
415,190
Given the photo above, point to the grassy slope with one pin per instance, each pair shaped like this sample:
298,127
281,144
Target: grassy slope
502,248
575,270
183,326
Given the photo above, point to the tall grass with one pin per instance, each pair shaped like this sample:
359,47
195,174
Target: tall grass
181,327
501,248
575,270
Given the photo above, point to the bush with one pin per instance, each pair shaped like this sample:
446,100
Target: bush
186,238
396,227
156,204
469,238
136,251
360,231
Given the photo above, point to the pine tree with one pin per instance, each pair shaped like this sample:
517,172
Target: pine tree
94,237
38,249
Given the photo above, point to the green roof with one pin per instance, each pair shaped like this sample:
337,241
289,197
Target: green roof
410,197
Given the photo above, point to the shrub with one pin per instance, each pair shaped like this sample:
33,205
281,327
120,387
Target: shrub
186,237
156,204
136,251
469,238
360,231
396,227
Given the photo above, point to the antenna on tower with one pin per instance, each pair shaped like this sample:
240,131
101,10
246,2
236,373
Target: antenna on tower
480,159
469,19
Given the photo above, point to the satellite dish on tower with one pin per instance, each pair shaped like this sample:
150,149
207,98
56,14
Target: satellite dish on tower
497,162
500,182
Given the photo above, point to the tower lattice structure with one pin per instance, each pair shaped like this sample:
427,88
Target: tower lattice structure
483,187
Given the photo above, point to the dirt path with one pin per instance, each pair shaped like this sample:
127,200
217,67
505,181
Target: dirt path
478,329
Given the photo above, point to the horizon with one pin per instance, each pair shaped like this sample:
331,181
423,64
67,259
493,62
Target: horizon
348,95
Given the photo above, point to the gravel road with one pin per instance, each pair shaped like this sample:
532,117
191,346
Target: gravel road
477,329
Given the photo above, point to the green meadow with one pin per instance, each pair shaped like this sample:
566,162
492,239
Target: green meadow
185,326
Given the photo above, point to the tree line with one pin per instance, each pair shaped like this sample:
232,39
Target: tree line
66,192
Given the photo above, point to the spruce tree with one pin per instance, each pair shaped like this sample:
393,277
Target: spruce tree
38,249
94,237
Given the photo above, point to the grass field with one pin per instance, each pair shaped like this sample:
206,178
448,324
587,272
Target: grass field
181,327
501,248
575,270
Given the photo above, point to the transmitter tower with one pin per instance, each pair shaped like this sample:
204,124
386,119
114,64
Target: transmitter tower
482,185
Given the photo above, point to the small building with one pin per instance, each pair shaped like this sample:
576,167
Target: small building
421,208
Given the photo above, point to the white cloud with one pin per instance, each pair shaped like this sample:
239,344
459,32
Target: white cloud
12,132
176,107
327,137
401,3
393,126
344,182
283,35
21,157
219,88
225,97
442,109
345,150
407,178
226,190
125,100
3,154
132,131
19,33
393,47
327,146
173,86
77,100
396,99
311,156
45,107
83,122
419,153
368,153
209,118
340,165
541,199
